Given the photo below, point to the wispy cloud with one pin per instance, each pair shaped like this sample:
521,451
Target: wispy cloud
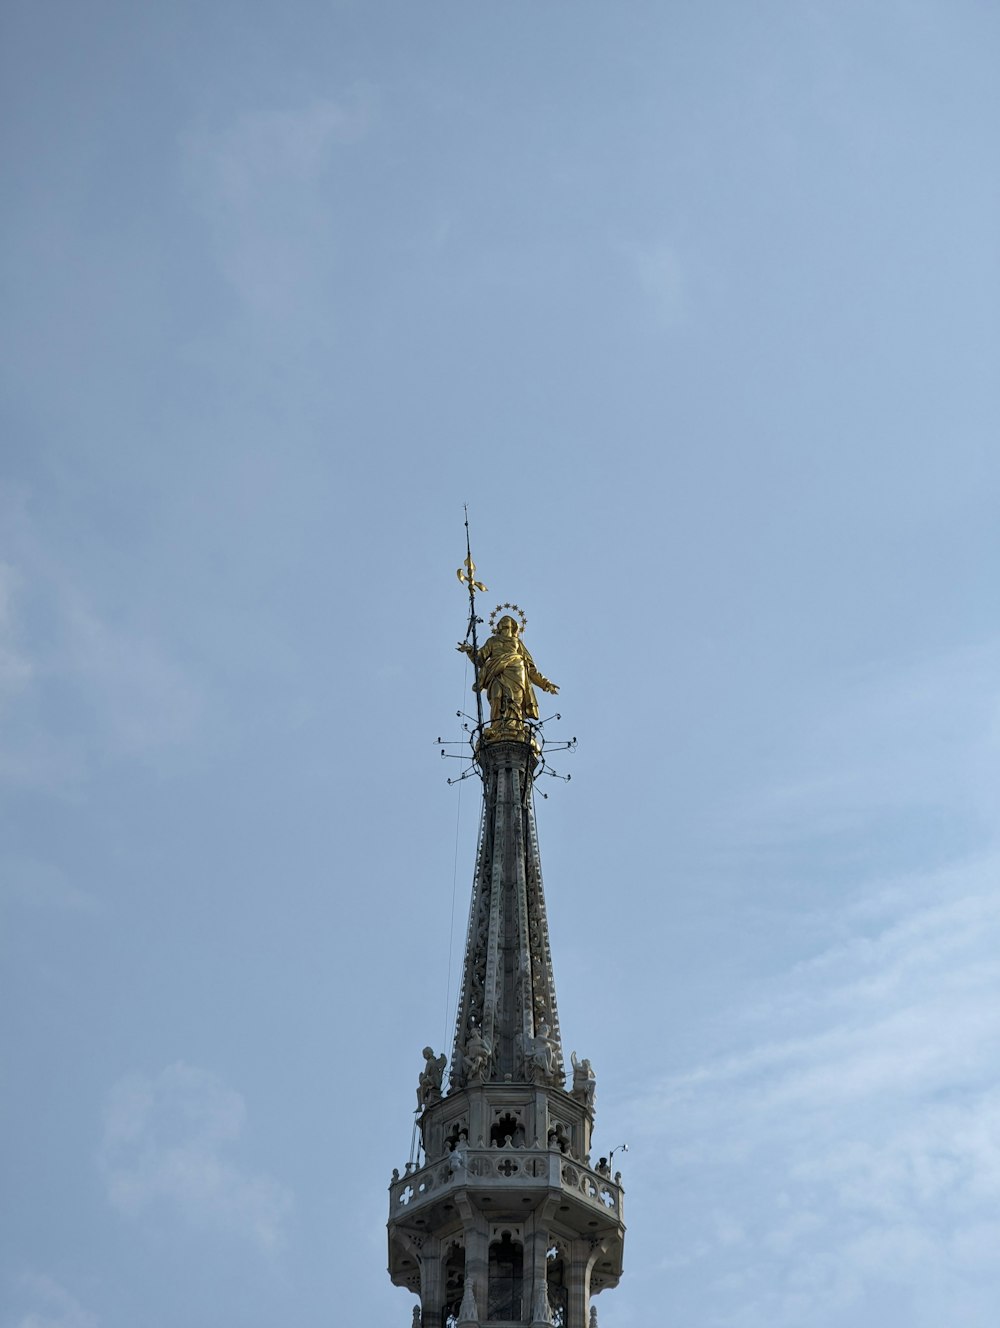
36,884
660,275
839,1156
52,1306
263,184
848,1154
15,667
168,1141
145,699
88,687
918,735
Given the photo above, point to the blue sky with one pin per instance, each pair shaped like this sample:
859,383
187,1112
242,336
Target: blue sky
696,306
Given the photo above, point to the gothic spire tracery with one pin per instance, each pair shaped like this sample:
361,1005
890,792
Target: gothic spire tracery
508,1025
504,1219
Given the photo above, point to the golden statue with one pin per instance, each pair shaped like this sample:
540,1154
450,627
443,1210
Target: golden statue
505,672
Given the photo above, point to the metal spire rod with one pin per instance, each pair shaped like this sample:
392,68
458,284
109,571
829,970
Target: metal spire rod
469,577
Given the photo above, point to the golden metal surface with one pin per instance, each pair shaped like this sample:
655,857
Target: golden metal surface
467,575
507,676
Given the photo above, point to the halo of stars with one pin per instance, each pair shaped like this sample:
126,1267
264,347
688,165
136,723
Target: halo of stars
514,608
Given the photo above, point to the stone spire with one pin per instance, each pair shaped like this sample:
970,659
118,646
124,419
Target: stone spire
508,1026
502,1219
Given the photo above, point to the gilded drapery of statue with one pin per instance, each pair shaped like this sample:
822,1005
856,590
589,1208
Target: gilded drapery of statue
507,675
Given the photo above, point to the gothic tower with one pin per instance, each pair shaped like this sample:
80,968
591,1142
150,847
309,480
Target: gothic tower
502,1218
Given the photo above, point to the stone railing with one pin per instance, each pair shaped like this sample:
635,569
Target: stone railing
593,1185
528,1168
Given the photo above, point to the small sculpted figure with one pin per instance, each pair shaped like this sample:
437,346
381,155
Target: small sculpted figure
545,1054
506,672
456,1158
584,1081
429,1084
477,1056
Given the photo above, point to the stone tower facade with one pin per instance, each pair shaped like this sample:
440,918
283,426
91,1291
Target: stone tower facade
503,1218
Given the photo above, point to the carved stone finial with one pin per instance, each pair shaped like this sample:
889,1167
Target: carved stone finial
541,1310
593,1316
468,1314
418,1317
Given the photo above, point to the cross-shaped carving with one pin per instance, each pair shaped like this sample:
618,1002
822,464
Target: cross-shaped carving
507,1167
406,1196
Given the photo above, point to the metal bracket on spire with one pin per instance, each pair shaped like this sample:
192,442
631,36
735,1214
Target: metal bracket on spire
473,740
543,766
538,744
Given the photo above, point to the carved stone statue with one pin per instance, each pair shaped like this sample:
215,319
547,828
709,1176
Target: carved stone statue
457,1158
584,1081
506,673
476,1058
544,1056
429,1084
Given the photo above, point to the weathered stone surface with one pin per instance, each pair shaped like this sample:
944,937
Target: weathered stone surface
504,1220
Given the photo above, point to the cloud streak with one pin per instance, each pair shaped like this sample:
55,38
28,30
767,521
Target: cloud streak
167,1144
87,687
15,667
262,184
32,883
887,737
52,1305
661,277
848,1159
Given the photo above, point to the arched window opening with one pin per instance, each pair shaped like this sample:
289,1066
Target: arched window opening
454,1285
506,1281
459,1134
557,1137
506,1129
